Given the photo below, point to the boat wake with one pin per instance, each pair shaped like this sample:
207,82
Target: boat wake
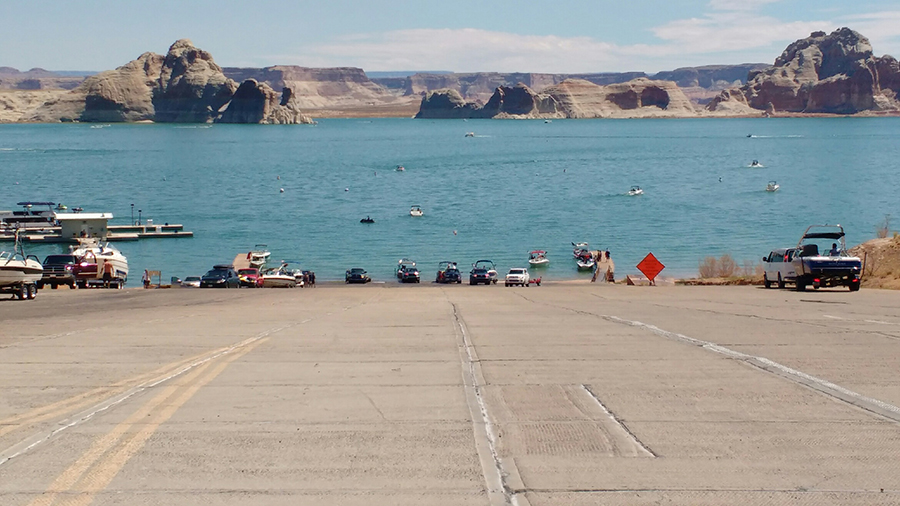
751,136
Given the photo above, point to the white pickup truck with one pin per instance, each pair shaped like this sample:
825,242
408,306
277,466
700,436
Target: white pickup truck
517,276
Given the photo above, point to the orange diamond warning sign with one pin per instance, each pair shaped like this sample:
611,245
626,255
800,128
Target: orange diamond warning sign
650,266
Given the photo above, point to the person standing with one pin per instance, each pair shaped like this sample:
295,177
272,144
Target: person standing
107,273
145,279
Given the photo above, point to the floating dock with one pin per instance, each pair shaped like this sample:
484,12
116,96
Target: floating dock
114,233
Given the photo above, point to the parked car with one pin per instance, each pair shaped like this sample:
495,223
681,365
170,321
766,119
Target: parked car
451,275
517,276
357,275
221,276
191,282
479,275
58,270
409,275
777,267
443,267
830,266
250,277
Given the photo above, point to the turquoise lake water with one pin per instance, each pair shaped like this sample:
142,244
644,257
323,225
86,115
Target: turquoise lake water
514,187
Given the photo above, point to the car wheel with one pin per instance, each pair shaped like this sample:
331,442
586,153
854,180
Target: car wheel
854,286
766,282
801,284
780,281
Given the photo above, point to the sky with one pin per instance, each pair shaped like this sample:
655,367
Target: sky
563,36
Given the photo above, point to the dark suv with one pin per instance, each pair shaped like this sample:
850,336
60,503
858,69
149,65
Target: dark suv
58,270
221,276
479,275
409,275
357,275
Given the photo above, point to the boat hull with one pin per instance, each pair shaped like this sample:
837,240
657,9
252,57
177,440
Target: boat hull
16,272
279,282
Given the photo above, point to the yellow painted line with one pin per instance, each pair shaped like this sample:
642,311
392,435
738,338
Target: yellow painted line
93,481
77,402
70,476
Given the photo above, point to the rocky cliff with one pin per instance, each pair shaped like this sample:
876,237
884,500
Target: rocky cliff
184,86
255,102
824,73
572,98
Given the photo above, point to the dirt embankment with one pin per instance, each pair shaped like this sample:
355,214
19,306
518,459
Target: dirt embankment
881,262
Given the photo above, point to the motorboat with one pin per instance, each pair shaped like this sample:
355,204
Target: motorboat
580,249
416,211
258,256
470,134
367,219
538,258
29,217
400,168
19,273
635,190
489,266
279,277
756,165
772,186
93,256
585,262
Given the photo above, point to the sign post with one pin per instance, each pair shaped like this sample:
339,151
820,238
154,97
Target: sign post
651,267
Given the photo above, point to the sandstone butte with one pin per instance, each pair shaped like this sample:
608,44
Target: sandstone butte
184,86
833,74
823,74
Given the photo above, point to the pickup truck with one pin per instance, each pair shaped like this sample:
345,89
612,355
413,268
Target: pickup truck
830,267
59,270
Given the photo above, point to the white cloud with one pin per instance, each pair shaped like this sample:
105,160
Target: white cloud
881,28
739,5
731,32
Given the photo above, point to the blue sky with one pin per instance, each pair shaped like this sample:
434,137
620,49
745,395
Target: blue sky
463,36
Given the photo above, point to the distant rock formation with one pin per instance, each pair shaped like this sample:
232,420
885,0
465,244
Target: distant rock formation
835,73
185,86
573,98
255,102
36,79
191,87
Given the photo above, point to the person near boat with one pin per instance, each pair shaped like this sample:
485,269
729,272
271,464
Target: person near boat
145,278
108,274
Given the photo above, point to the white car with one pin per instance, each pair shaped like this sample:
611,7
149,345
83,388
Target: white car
517,276
777,267
191,281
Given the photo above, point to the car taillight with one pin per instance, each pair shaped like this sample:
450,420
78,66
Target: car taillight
785,257
817,280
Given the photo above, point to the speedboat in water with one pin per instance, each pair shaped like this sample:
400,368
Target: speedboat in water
756,165
279,277
416,211
19,273
258,256
470,134
538,258
367,219
585,262
772,186
635,190
580,249
400,168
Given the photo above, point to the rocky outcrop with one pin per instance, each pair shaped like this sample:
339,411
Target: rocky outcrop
322,88
184,86
573,98
835,73
191,87
447,104
888,76
255,102
710,76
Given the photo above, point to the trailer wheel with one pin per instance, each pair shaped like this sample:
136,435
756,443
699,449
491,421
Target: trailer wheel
32,291
23,292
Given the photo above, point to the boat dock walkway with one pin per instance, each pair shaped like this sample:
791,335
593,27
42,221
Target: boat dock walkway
115,233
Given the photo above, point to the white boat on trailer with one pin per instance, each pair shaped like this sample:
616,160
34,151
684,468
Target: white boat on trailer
279,277
19,273
93,256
